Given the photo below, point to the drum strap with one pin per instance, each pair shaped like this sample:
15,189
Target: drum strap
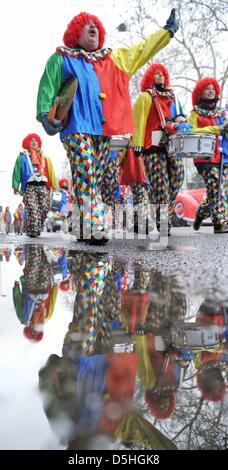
29,162
158,108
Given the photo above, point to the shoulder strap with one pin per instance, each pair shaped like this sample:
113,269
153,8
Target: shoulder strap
29,161
158,107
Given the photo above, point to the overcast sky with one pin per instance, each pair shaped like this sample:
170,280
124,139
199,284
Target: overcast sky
30,31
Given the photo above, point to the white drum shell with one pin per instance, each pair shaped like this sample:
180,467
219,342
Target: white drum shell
197,336
118,143
191,146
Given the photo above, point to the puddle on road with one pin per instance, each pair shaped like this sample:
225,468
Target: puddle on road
181,248
111,354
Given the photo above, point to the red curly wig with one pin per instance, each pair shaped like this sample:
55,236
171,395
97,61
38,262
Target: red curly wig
200,87
155,402
148,77
75,27
27,140
33,335
63,183
64,285
207,388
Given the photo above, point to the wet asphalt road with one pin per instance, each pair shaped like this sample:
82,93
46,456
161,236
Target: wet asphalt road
184,284
199,260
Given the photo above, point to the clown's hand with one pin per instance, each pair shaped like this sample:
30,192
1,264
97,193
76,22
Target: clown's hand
172,23
138,151
50,128
140,330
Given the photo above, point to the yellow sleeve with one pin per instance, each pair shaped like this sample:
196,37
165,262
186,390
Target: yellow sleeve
139,431
193,119
145,369
141,111
53,297
51,174
133,58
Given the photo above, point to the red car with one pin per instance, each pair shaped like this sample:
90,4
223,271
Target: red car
185,206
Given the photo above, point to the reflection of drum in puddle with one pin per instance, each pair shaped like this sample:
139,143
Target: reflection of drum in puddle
56,273
191,146
118,143
197,336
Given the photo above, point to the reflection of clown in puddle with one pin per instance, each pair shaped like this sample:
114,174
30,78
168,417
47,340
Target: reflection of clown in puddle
153,301
208,331
20,253
161,370
150,307
88,393
35,298
7,252
212,368
204,341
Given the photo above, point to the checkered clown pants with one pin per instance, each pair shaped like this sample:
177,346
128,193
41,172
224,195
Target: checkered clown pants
216,205
165,177
88,156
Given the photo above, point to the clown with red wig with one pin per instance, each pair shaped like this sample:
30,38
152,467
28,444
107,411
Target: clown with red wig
208,118
7,218
67,197
157,111
212,367
101,107
19,216
33,177
34,297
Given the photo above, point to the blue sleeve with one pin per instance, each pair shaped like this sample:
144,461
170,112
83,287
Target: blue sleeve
63,264
63,204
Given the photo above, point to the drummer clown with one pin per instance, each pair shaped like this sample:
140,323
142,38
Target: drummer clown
158,113
208,118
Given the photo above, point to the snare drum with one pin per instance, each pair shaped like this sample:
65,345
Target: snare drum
197,336
191,146
56,201
118,143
